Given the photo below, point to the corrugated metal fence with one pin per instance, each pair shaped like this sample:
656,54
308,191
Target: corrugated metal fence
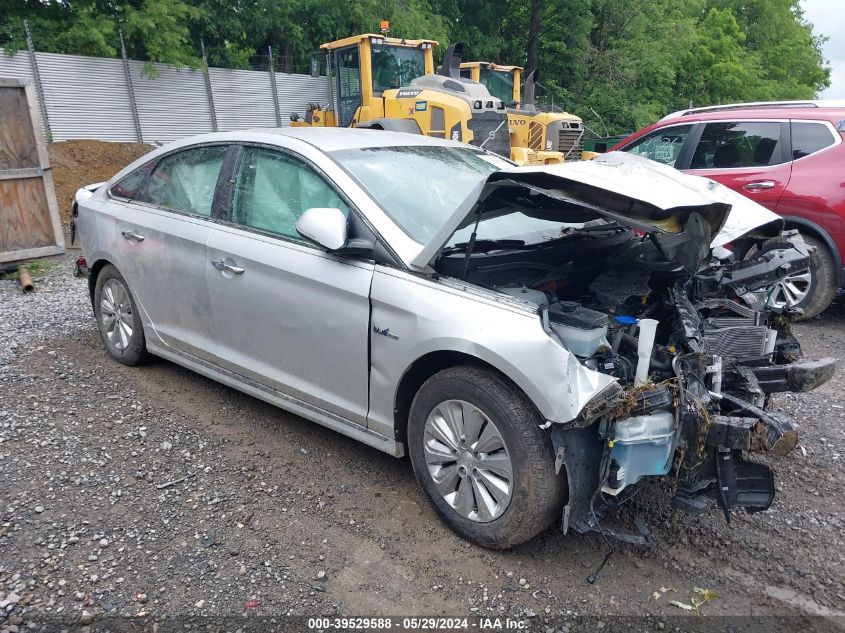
109,100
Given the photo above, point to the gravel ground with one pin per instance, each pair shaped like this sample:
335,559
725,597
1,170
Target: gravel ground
153,492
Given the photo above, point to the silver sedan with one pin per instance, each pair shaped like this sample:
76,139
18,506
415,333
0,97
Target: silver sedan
537,340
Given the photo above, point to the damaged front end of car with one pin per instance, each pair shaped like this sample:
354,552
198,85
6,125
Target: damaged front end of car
712,366
638,285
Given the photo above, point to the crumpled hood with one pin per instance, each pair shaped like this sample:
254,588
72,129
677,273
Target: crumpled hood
619,187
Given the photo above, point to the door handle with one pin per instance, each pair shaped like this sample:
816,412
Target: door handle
132,236
222,266
760,185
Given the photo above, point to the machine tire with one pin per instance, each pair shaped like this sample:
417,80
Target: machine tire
109,300
536,491
409,126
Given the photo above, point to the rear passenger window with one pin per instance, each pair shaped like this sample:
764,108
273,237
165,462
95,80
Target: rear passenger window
663,145
809,138
738,144
273,189
186,181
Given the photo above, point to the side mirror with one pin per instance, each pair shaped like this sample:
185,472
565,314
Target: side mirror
323,226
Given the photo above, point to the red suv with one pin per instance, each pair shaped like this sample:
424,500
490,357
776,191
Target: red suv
788,156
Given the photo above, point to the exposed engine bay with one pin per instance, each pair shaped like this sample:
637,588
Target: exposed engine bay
690,338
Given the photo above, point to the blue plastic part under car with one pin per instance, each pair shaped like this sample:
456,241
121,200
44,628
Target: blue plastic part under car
626,320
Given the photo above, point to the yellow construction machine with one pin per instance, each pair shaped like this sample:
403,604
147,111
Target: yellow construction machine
536,137
389,83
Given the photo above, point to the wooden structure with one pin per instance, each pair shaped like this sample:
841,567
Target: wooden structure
30,226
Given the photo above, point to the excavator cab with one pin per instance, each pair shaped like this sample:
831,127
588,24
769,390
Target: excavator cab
389,83
536,137
502,81
363,67
360,69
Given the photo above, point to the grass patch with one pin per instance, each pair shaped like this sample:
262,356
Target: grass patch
36,269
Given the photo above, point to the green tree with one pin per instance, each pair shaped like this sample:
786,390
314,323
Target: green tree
154,30
788,54
716,69
623,63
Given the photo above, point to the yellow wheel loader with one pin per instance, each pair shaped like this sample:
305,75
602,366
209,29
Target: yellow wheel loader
536,137
389,83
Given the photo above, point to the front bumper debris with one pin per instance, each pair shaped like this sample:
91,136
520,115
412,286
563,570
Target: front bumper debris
798,377
715,430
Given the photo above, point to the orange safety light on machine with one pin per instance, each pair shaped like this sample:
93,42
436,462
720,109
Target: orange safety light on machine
385,26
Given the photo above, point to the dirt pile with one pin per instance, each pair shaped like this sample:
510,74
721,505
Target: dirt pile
79,163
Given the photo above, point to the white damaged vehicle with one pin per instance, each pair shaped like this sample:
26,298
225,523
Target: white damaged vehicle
537,340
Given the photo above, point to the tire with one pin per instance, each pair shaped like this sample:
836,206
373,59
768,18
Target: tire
822,290
483,397
818,285
118,319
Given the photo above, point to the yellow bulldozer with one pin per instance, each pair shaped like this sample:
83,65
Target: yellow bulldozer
389,83
536,137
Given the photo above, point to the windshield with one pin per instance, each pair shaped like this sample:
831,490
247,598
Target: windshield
396,66
420,187
498,83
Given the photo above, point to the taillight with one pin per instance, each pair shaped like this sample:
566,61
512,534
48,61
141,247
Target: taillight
81,267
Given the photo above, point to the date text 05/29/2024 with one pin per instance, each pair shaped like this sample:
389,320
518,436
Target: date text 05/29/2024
416,624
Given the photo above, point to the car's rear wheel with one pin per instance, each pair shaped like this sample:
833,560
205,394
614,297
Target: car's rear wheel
118,319
481,458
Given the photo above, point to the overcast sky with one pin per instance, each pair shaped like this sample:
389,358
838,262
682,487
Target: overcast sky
828,18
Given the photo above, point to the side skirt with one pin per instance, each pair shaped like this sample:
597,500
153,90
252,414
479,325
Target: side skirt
283,401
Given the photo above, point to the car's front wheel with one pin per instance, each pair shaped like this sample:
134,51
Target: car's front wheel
117,318
481,458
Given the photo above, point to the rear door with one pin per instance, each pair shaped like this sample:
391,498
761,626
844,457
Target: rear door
750,157
161,231
287,314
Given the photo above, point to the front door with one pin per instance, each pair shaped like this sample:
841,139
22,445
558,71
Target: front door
349,92
750,157
287,314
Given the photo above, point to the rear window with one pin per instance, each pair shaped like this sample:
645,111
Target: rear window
732,144
185,181
809,138
130,185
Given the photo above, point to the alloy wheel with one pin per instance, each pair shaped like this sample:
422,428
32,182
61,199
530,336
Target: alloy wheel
116,314
468,460
790,291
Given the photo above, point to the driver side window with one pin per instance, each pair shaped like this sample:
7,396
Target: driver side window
272,190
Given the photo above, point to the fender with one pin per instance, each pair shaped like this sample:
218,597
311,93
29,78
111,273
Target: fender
825,237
